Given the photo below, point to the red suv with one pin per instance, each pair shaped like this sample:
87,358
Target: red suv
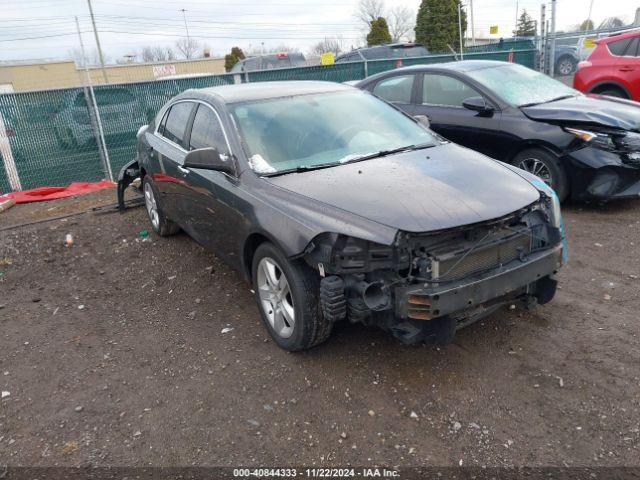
613,68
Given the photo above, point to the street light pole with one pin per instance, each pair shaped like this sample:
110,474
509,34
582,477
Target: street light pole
184,16
95,33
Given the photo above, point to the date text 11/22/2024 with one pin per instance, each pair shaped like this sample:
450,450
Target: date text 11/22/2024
317,472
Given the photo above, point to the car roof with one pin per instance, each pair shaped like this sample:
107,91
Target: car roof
265,90
460,66
621,36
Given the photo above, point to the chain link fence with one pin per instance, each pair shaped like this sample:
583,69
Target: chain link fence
88,133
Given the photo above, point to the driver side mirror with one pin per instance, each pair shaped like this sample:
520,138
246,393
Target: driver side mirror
478,104
209,159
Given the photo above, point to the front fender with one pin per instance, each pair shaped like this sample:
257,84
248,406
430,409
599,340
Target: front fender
127,175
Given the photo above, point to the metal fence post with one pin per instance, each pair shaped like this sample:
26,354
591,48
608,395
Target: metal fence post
7,156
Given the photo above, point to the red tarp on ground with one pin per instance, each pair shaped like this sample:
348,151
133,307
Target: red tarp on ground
43,194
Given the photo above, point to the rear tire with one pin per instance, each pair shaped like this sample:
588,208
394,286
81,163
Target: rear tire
614,92
545,165
566,66
159,221
288,297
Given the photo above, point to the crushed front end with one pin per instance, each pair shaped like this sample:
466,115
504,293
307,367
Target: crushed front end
605,163
427,285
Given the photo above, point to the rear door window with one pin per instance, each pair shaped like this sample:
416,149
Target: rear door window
395,89
632,50
619,48
175,125
207,131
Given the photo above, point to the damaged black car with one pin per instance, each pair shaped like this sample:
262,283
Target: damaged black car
336,206
585,147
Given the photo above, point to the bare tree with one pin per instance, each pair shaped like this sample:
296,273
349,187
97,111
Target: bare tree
188,47
401,21
91,58
334,45
156,53
282,48
369,10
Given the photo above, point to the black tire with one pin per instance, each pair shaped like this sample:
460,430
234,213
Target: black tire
566,66
163,226
557,176
614,92
310,327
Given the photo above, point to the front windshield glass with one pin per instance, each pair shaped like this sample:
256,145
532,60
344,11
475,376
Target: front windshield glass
519,85
318,129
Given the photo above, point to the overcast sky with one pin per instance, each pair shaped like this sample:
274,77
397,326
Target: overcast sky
127,25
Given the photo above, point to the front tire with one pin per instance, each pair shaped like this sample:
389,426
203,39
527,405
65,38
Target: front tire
547,166
159,221
288,297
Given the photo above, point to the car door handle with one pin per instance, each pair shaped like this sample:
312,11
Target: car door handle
182,169
626,69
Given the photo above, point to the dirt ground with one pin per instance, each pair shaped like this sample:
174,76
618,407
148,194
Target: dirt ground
114,352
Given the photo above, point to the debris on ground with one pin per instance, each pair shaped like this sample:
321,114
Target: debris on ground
6,203
69,447
226,330
5,394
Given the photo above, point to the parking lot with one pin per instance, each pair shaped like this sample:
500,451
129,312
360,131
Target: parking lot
134,350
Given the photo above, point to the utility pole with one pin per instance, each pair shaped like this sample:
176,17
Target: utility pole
460,30
516,27
102,145
473,26
552,50
184,16
95,33
543,38
590,10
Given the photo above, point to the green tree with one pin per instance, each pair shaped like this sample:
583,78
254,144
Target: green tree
437,25
586,25
379,33
526,26
232,58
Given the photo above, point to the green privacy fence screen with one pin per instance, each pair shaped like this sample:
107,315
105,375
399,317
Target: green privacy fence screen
51,137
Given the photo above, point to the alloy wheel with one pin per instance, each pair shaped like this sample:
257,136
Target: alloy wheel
275,297
565,67
152,206
538,168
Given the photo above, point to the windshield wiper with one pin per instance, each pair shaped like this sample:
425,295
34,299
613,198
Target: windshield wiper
384,153
381,153
302,168
533,104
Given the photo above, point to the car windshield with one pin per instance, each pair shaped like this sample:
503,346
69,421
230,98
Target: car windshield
313,130
520,86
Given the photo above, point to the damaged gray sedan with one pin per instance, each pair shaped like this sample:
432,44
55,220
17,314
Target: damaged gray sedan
338,207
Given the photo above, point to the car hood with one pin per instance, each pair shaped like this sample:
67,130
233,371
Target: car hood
425,190
594,110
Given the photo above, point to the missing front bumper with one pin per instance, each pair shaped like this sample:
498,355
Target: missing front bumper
431,301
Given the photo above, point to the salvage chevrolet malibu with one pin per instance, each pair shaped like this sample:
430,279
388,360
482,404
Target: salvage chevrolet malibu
337,206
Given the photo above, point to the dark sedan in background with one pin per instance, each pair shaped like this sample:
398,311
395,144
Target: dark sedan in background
337,206
585,147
